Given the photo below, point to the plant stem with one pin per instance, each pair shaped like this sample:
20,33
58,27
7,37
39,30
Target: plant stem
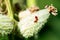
31,3
9,8
26,39
36,37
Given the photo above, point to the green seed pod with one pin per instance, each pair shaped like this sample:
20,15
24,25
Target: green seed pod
6,24
31,24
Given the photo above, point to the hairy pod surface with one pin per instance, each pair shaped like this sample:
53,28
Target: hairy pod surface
28,27
6,24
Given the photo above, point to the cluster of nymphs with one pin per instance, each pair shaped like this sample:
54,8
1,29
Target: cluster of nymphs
32,19
6,23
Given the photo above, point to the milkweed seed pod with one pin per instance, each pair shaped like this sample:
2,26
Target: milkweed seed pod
6,24
31,24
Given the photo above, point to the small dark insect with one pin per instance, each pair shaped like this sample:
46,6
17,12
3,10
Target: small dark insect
36,19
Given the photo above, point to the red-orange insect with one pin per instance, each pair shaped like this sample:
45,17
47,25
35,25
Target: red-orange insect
36,19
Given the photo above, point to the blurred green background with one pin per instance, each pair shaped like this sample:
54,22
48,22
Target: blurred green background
50,31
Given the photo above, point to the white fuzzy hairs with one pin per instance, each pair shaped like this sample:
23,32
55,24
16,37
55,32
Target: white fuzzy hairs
27,24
